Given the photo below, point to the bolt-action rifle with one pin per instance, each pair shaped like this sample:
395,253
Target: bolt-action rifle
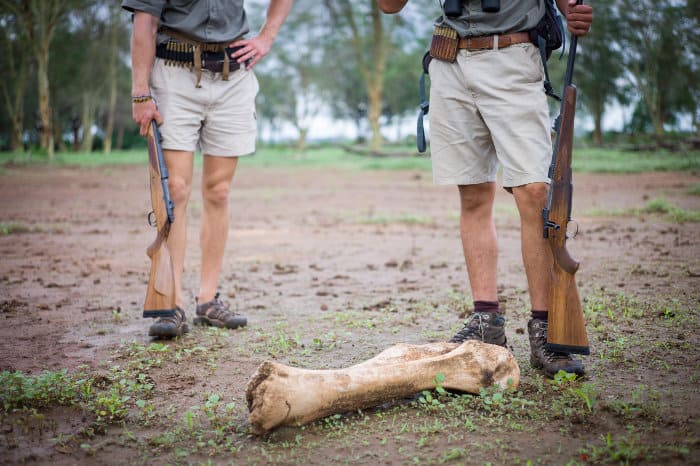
160,294
566,328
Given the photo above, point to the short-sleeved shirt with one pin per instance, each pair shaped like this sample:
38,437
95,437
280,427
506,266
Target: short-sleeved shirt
205,21
513,16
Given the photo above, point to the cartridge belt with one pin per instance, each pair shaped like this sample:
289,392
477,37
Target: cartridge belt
487,42
177,53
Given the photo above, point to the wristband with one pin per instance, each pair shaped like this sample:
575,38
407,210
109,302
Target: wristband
137,99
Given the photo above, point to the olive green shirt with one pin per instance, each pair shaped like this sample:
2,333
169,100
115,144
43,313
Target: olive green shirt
205,21
514,16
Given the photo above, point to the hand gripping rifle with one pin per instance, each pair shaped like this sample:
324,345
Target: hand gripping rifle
160,295
566,328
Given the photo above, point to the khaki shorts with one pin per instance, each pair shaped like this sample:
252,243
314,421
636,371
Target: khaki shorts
490,107
219,116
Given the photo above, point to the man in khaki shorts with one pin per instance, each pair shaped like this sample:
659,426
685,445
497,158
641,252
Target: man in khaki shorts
488,107
192,73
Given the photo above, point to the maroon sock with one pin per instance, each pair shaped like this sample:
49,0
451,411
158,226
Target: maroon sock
486,306
542,315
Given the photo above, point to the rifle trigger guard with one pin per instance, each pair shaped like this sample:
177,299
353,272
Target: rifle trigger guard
552,225
571,235
152,219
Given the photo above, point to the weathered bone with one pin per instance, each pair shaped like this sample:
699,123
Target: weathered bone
282,395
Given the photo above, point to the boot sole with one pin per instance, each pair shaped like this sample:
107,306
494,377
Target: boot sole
167,334
537,365
204,321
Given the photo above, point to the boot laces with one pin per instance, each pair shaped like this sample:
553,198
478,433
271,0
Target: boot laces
475,328
541,335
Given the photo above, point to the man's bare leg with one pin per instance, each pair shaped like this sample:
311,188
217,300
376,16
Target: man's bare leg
479,241
180,166
480,247
217,177
537,256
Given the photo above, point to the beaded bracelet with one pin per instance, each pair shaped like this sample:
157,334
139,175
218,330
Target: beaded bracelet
137,99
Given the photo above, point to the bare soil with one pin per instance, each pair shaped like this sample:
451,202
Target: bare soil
331,267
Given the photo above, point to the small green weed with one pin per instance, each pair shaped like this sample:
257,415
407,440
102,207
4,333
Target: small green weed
622,450
673,213
574,394
44,390
15,229
643,403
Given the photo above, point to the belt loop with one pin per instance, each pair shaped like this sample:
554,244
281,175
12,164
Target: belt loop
495,41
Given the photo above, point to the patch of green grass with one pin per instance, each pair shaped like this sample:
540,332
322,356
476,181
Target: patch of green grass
575,396
408,219
603,308
643,403
694,190
594,160
598,212
334,157
82,159
675,214
506,209
658,206
21,391
15,228
621,449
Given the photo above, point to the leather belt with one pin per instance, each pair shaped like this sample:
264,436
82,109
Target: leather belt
486,42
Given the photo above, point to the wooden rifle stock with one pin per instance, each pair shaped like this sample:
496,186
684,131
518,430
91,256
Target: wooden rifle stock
566,330
160,294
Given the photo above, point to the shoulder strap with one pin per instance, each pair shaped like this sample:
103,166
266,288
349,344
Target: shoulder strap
424,105
548,89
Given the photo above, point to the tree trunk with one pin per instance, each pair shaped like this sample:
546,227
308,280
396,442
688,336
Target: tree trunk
372,72
375,85
17,137
112,80
120,137
88,119
45,114
301,142
39,18
597,111
374,94
14,90
58,136
16,111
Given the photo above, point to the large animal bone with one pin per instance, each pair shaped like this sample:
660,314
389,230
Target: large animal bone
282,395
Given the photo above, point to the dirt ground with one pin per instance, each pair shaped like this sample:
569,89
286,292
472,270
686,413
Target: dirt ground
331,267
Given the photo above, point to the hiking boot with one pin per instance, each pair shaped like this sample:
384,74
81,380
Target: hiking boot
218,314
549,361
488,327
171,326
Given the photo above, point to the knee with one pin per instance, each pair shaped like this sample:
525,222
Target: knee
475,198
216,194
533,193
180,189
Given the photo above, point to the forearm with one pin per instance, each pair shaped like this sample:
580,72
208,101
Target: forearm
391,6
143,49
277,13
